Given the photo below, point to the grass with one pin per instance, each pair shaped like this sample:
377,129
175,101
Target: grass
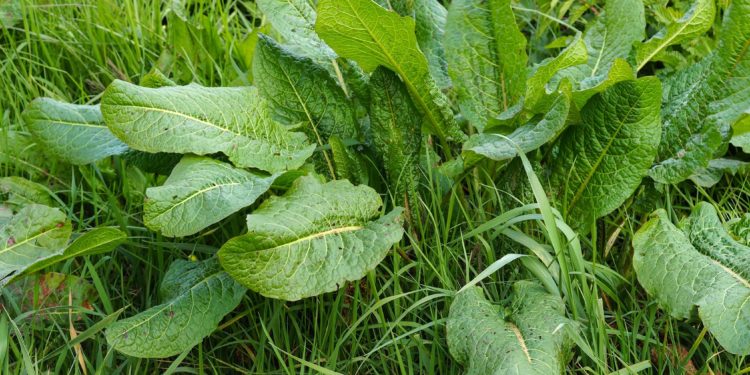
392,321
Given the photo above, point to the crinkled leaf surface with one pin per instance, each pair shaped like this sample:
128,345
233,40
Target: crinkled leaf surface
201,120
311,240
300,91
35,233
96,241
527,137
696,21
73,133
610,37
716,169
295,21
372,36
487,59
17,192
700,265
536,86
532,340
702,102
395,127
195,295
430,18
602,160
201,191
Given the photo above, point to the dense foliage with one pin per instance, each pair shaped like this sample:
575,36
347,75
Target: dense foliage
407,152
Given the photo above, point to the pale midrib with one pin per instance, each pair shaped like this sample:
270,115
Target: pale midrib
26,240
409,84
73,123
733,274
666,42
601,53
175,113
191,196
595,167
313,236
521,341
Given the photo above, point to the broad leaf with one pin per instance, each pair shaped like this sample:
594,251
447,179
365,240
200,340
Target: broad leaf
35,233
696,21
533,339
295,21
17,192
527,137
311,240
716,169
300,91
201,120
610,37
602,160
702,102
487,59
73,133
741,134
195,295
536,86
430,18
395,127
350,164
51,296
201,191
372,36
96,241
697,265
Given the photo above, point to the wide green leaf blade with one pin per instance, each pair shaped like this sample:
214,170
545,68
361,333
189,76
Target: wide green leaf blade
396,134
73,133
294,20
430,19
96,241
201,191
741,133
311,240
487,58
300,91
33,234
702,102
697,265
17,192
195,295
528,137
201,120
536,86
610,37
602,160
532,340
696,21
716,169
364,31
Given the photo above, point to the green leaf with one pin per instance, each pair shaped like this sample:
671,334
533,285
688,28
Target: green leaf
430,18
300,91
18,192
35,233
533,339
311,240
96,241
702,102
696,21
363,31
395,127
201,120
528,137
195,295
51,296
603,160
741,134
610,37
536,86
294,20
487,59
349,164
697,265
201,191
73,133
716,169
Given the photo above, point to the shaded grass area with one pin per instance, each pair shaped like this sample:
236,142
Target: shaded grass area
392,321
